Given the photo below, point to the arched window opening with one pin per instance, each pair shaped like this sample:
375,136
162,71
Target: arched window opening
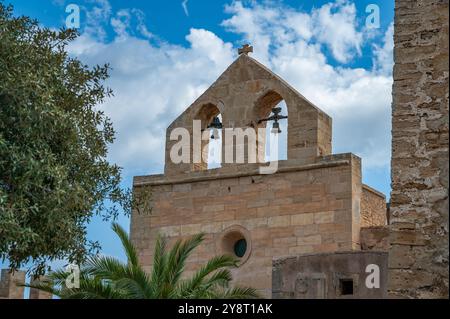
275,139
215,146
211,143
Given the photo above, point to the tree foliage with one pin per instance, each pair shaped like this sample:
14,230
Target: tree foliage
108,278
54,174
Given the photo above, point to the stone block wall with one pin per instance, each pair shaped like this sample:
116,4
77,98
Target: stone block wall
340,275
10,289
373,208
375,238
300,209
39,294
8,284
419,199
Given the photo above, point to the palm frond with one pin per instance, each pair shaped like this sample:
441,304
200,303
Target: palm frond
178,256
188,287
44,286
103,277
238,293
159,265
125,276
130,250
220,278
104,267
133,288
58,277
95,289
219,281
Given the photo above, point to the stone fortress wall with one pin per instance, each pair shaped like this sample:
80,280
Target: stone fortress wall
10,286
418,257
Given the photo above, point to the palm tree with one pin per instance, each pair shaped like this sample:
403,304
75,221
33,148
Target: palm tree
109,278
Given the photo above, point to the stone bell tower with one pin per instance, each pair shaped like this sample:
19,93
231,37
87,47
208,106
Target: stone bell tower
314,203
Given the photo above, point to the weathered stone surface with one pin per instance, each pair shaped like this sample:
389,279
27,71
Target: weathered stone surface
39,294
279,228
419,199
314,276
312,204
9,281
245,93
375,238
373,208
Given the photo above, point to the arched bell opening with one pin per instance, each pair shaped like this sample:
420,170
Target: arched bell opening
271,113
215,143
211,138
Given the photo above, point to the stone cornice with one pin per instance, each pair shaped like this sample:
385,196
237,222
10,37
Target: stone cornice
157,180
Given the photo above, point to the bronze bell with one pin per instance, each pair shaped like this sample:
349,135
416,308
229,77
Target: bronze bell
276,128
215,125
215,134
275,118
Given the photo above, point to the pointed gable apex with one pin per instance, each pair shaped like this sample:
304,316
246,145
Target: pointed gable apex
245,93
243,69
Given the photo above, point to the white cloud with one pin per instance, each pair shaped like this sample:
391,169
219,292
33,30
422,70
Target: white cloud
383,54
155,83
141,27
335,25
124,23
152,85
185,7
97,15
251,23
291,43
58,2
121,22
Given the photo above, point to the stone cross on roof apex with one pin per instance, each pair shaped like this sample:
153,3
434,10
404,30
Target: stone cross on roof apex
246,49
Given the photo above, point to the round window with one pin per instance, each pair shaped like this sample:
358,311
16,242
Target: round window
240,247
236,241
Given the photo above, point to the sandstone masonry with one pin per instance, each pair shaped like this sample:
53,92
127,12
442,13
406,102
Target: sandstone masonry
315,203
418,257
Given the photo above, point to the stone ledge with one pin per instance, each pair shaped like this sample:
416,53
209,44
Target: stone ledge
246,170
278,260
374,191
374,238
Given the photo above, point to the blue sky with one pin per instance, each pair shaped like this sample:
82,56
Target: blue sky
164,55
